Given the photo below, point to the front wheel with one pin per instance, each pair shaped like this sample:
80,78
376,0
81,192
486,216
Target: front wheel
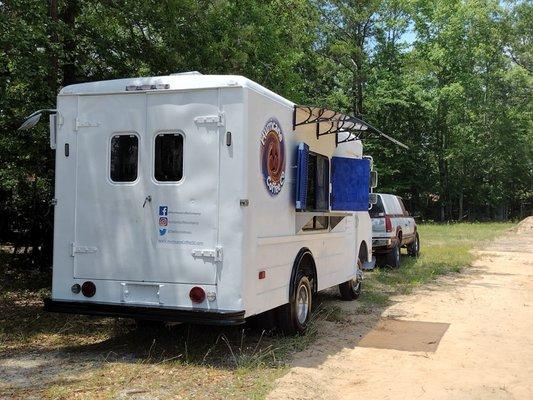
351,290
294,316
413,249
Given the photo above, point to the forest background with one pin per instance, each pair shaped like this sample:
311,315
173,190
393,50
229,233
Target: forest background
451,79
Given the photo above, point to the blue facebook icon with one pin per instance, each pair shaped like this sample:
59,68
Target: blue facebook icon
163,211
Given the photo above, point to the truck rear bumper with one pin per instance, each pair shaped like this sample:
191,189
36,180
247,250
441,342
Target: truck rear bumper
169,314
382,243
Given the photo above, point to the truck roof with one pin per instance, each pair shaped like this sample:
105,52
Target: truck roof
180,81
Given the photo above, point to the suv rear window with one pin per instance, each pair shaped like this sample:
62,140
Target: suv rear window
377,209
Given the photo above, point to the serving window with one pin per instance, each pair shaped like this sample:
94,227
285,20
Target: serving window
317,183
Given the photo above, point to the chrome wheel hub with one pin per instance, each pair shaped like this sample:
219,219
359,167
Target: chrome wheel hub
356,282
302,302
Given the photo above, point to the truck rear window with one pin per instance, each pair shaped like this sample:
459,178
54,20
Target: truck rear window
124,158
169,157
377,209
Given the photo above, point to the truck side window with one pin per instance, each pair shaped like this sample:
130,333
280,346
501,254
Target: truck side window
318,183
404,210
169,157
124,158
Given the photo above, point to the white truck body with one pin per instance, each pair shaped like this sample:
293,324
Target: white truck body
144,242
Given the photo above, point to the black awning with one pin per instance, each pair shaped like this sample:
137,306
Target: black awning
345,127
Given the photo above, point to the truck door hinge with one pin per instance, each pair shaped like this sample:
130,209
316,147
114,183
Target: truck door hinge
82,249
219,119
216,253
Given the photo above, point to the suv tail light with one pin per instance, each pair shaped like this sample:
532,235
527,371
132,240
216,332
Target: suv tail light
388,224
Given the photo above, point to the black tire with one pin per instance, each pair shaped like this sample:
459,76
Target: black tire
381,260
351,290
393,257
294,316
413,249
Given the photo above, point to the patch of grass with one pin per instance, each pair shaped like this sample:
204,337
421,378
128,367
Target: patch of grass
445,249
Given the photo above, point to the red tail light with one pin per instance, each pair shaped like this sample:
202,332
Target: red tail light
388,224
197,294
88,289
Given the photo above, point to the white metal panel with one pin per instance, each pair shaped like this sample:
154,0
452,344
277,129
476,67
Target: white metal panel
272,218
189,250
174,82
116,219
65,181
232,272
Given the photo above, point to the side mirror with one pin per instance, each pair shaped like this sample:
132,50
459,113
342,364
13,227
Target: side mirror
372,198
34,118
373,179
30,122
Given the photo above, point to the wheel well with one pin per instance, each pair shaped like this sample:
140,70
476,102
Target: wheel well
304,261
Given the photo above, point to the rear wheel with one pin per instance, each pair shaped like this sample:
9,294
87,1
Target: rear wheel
294,316
351,290
413,249
393,257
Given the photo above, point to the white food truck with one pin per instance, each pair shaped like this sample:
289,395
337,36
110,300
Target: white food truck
205,199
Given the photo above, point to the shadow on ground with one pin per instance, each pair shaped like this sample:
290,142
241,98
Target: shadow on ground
40,350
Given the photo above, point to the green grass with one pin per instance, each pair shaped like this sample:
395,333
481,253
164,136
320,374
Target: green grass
101,358
445,249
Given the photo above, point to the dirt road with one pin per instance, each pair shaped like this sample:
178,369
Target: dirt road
463,338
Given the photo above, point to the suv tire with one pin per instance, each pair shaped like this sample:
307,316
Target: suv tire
413,249
393,256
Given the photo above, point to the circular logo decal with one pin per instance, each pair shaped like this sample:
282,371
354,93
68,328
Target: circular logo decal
273,156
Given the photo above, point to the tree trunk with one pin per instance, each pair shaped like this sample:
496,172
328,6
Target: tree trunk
461,205
68,16
52,77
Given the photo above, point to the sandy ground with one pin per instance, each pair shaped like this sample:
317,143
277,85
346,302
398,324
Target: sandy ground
463,338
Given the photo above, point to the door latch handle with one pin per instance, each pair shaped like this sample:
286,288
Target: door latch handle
147,199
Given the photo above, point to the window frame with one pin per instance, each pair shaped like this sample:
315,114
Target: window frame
405,212
153,156
327,188
139,156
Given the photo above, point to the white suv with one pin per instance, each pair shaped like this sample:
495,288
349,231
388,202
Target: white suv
392,228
